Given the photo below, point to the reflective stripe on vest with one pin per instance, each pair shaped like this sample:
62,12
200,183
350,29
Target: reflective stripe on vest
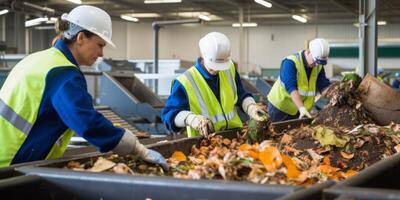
215,118
301,92
198,95
281,99
229,75
20,123
202,100
20,99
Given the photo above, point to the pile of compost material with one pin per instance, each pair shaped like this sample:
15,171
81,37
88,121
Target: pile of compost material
344,108
302,156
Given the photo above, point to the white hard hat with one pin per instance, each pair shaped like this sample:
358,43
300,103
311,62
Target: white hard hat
92,19
216,51
319,49
380,70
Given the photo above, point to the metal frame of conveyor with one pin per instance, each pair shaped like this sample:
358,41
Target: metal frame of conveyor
127,96
262,86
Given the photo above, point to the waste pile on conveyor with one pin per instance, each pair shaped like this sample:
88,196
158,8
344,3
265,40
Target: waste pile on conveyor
340,142
301,156
345,108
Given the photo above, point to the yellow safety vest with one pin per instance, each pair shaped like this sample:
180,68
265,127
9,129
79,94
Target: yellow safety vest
202,100
20,98
282,100
380,79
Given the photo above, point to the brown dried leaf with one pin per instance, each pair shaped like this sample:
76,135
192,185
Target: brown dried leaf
121,168
101,165
316,157
347,156
397,148
286,139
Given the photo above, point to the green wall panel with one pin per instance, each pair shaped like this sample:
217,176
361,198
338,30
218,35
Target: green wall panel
352,52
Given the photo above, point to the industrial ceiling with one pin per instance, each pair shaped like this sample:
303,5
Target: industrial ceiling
221,12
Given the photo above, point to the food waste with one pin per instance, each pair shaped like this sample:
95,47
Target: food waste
302,156
341,141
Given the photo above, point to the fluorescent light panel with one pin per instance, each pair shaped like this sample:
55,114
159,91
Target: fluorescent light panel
246,24
191,14
143,15
2,12
161,1
129,18
264,3
45,27
204,17
75,1
36,21
51,20
299,18
382,23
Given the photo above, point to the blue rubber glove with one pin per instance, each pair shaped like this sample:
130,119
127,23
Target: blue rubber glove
154,157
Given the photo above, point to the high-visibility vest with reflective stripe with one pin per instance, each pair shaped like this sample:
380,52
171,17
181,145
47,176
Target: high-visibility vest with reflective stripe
281,99
202,100
20,98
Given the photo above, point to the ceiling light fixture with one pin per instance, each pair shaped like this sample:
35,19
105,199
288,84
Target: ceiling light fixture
75,1
35,21
382,23
129,18
246,24
51,20
48,27
161,1
264,3
204,17
143,15
2,12
299,18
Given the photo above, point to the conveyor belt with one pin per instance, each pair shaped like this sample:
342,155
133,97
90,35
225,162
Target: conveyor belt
118,121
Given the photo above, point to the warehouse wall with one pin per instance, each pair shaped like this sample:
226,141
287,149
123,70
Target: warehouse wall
266,45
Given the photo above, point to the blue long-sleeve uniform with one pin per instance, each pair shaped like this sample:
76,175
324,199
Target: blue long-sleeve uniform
288,75
178,99
65,104
396,84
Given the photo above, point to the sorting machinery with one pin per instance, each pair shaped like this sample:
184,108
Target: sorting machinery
125,94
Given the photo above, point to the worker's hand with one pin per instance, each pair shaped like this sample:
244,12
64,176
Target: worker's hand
257,113
200,123
150,156
253,110
154,157
304,113
129,144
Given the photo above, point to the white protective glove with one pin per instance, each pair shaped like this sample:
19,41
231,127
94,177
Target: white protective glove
253,110
304,113
198,122
129,143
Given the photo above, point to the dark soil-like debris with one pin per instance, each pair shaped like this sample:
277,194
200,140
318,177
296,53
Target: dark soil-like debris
344,109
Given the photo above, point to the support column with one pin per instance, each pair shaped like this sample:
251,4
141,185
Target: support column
367,38
241,41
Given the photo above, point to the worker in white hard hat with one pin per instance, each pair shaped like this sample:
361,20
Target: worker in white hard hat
381,74
396,82
302,75
44,99
205,98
